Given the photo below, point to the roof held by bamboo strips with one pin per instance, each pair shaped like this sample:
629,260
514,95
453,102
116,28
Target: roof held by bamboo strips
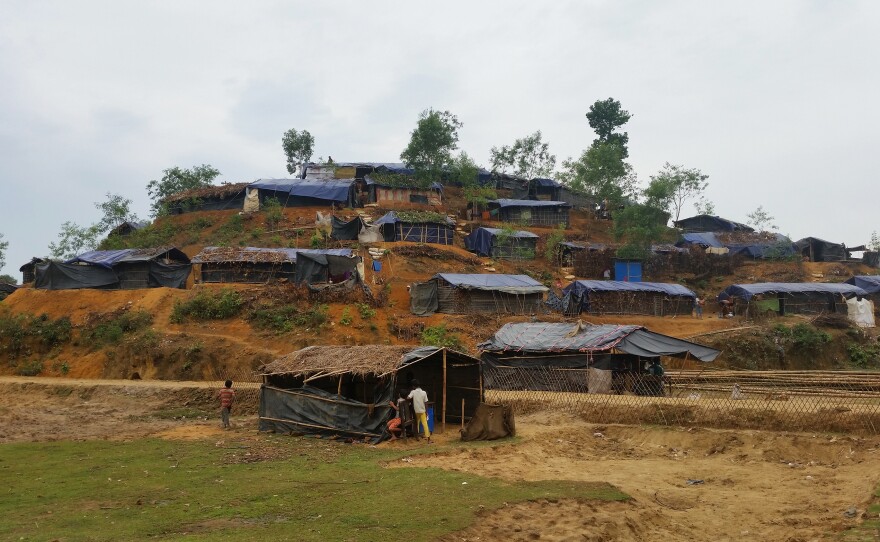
221,191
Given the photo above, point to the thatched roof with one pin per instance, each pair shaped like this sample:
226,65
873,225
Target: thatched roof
222,191
360,360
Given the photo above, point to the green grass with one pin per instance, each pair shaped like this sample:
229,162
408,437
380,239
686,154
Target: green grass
213,490
869,529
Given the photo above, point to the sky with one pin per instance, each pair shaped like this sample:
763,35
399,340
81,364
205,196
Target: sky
775,101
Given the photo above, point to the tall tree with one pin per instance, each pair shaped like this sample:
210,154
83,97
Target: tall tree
175,180
601,170
704,206
74,240
528,157
114,211
606,116
639,226
298,148
432,143
673,186
465,171
3,246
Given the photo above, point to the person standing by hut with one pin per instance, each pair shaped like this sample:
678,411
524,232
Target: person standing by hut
419,397
227,397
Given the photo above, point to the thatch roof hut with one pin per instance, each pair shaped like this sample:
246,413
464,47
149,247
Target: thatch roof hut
345,390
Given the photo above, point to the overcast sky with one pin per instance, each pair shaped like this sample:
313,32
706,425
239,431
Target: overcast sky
776,101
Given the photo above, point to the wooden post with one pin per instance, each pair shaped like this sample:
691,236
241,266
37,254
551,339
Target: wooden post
339,387
443,418
462,413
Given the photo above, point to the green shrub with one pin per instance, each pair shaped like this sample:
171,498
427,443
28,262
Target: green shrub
803,336
274,212
365,311
863,356
345,318
207,305
31,368
17,331
284,318
553,240
112,330
440,336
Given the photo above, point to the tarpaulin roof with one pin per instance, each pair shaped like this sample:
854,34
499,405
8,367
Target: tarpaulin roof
481,240
820,250
502,203
705,239
546,182
391,217
582,246
513,284
755,245
708,223
521,234
261,254
331,189
109,258
747,291
544,337
868,283
621,286
370,181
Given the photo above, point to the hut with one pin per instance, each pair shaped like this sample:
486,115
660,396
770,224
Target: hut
568,251
620,297
209,198
344,391
398,189
125,269
258,265
819,250
416,226
709,223
606,358
868,283
502,244
307,192
128,227
532,212
29,270
454,293
545,190
757,245
782,298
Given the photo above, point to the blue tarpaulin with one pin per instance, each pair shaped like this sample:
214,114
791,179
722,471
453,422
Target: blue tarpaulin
747,291
580,286
759,248
709,223
481,240
868,283
338,190
109,258
514,284
395,228
550,183
503,203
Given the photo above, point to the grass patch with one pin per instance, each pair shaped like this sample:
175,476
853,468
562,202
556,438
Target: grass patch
209,490
111,329
283,318
207,305
19,333
440,336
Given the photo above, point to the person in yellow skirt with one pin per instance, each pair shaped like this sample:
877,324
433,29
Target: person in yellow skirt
419,397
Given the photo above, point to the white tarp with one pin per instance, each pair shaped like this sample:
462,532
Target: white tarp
252,200
371,234
861,312
598,381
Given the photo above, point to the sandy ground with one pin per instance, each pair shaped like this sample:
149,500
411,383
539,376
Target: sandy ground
755,484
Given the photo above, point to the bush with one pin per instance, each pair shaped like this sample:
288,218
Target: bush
365,311
274,212
208,306
863,356
803,336
345,318
442,337
285,317
112,330
19,330
31,368
553,240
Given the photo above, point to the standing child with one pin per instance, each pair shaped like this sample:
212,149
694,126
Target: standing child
419,398
227,397
698,306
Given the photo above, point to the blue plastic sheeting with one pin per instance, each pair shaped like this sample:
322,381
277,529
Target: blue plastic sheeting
544,337
707,239
781,247
709,223
502,203
620,286
109,258
371,181
868,283
481,239
514,284
392,218
747,291
332,190
547,183
251,254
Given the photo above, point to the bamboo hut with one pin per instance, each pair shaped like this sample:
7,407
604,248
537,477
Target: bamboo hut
620,297
344,391
455,293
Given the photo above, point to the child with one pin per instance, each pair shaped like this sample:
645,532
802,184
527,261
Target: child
394,424
227,397
419,398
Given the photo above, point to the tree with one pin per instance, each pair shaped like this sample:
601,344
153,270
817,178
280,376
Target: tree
761,220
8,279
639,226
74,240
528,157
298,147
674,185
874,245
3,246
177,180
600,171
115,210
465,171
704,207
431,144
605,117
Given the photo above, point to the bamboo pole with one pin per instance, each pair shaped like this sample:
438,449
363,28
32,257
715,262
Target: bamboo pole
443,419
462,413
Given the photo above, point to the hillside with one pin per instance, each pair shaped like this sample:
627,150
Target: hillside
139,333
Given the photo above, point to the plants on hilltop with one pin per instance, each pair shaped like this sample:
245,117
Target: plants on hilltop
298,148
440,336
207,305
175,180
431,144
